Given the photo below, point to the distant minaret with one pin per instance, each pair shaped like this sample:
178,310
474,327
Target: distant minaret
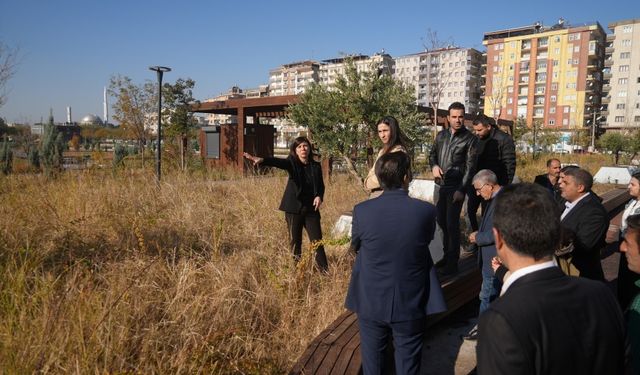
106,107
69,115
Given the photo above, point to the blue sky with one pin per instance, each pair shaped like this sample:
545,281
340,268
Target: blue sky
70,48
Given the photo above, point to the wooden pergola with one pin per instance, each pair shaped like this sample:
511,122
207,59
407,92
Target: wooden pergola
265,107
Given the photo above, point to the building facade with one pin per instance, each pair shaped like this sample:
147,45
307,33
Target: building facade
445,75
551,75
293,79
621,86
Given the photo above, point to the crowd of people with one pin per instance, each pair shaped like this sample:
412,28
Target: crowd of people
544,306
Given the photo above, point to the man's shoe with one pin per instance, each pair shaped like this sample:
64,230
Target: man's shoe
441,263
472,335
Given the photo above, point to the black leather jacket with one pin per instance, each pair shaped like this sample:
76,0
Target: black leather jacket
456,156
498,153
292,199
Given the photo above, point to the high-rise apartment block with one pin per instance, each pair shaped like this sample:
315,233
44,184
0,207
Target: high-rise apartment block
292,79
621,74
551,75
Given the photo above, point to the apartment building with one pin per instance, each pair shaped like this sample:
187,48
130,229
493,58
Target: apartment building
293,79
331,69
447,75
551,75
621,76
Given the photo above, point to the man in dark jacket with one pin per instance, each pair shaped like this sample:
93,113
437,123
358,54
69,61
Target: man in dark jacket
390,284
497,153
453,160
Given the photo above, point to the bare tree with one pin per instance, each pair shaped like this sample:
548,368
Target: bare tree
134,108
9,59
436,80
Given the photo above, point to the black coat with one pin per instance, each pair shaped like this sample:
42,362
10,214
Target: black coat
587,224
550,323
292,197
497,153
456,156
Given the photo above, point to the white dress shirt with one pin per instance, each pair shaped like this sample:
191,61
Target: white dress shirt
570,205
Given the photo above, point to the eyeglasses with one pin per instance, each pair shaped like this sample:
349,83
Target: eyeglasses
480,189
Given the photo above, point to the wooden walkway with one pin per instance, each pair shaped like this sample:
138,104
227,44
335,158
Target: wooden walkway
336,350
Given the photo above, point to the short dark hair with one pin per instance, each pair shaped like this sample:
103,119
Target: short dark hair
396,138
482,119
636,175
457,105
528,220
551,161
633,225
391,170
296,142
581,176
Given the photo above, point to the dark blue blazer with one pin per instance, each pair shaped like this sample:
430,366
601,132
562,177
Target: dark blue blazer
485,241
390,276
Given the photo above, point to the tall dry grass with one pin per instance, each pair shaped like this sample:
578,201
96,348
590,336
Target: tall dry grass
107,273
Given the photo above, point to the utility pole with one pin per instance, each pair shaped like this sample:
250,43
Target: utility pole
160,70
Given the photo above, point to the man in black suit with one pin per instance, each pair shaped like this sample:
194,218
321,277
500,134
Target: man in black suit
585,222
497,153
544,322
390,282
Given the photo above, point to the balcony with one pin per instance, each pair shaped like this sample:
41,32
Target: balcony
606,99
608,62
609,50
606,87
611,37
607,75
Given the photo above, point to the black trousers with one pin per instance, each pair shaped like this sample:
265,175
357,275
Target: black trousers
308,219
449,221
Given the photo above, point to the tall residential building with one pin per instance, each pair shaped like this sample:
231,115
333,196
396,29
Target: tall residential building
332,68
454,73
621,74
292,79
551,75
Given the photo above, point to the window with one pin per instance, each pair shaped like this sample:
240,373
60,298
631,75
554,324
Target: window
552,122
622,81
623,68
619,119
576,49
565,110
509,111
627,29
565,121
553,98
571,85
212,134
622,94
620,106
552,110
636,119
555,62
626,42
554,86
510,89
625,55
509,100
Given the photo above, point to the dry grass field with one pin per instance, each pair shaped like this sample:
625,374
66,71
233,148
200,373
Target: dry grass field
104,272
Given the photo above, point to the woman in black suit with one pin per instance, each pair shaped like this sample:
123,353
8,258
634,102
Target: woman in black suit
302,197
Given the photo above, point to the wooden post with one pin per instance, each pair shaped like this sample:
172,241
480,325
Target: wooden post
241,121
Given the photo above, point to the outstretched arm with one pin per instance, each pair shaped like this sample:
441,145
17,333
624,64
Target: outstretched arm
256,160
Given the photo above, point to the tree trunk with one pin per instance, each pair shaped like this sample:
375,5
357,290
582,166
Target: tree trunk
352,169
142,154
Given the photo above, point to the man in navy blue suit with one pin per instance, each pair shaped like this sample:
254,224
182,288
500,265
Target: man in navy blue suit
390,281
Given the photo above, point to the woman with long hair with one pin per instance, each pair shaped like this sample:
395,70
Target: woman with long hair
627,278
392,141
302,197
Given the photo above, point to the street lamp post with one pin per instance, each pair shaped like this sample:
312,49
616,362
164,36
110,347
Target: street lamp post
160,70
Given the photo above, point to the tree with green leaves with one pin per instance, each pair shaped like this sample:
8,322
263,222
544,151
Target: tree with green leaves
342,119
615,143
134,107
6,157
51,150
119,153
177,102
